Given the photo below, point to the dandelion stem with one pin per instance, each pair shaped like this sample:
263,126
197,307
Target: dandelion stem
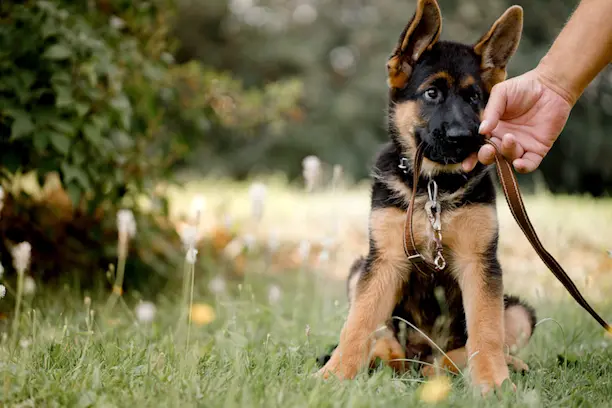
192,271
20,276
118,285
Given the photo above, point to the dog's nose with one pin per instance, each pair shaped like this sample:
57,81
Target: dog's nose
457,132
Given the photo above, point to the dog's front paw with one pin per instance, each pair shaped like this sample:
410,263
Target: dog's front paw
490,373
342,368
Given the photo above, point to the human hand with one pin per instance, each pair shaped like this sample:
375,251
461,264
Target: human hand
523,117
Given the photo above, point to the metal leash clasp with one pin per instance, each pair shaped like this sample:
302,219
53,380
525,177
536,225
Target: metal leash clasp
433,209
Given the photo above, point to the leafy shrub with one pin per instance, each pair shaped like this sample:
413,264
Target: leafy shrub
90,91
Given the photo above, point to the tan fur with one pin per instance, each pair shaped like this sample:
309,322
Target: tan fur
517,326
498,44
469,232
407,118
439,75
423,31
467,81
374,297
389,351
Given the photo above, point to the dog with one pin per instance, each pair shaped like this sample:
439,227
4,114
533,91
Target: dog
437,94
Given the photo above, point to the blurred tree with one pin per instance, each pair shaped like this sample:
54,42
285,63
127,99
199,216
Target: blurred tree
339,49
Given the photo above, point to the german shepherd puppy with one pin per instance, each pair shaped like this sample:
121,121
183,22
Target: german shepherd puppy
437,93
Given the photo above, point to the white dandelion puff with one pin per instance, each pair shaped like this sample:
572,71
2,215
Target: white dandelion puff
21,256
29,286
2,291
249,241
198,204
311,166
25,343
126,223
257,192
189,236
191,256
274,294
216,285
304,250
145,312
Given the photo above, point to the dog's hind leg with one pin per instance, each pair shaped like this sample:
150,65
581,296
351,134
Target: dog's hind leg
519,323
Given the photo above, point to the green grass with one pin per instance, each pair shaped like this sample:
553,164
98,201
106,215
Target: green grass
257,354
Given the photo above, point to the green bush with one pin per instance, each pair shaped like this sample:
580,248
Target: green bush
91,91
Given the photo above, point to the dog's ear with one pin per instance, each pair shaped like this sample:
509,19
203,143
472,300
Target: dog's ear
499,44
420,34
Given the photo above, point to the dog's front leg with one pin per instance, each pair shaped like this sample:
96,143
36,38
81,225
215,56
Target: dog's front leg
374,296
480,279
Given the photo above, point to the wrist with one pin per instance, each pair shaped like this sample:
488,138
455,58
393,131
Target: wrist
553,78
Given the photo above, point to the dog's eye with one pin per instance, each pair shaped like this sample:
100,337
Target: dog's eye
475,98
432,94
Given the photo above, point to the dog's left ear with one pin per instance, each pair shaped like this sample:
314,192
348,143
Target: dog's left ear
421,33
499,44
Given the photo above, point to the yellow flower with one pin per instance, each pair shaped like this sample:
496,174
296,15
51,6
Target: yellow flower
435,390
202,314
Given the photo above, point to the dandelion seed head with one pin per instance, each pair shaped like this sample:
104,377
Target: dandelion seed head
29,286
191,256
311,166
304,250
274,294
25,343
2,291
216,285
257,192
249,241
189,236
198,204
126,222
21,256
145,312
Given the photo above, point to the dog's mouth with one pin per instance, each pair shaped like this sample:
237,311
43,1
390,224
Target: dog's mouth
444,151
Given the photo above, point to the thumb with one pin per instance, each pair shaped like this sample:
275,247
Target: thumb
495,108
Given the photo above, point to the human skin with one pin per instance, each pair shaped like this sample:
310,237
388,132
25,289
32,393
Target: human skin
526,114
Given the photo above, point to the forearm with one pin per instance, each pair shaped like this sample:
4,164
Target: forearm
581,51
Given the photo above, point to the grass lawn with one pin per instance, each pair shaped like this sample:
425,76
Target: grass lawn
257,344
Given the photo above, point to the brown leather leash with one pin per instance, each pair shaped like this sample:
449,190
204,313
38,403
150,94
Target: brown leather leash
512,193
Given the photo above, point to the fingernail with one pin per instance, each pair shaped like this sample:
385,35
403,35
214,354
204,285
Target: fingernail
483,125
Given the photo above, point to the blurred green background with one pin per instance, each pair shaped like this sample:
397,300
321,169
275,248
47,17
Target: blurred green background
117,100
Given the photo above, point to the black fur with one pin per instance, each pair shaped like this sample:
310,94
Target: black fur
448,126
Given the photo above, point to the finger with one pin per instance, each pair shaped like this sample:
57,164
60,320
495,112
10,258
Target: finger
511,148
486,154
470,162
495,108
528,163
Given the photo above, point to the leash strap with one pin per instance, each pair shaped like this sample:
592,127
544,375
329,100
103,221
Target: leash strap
513,197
